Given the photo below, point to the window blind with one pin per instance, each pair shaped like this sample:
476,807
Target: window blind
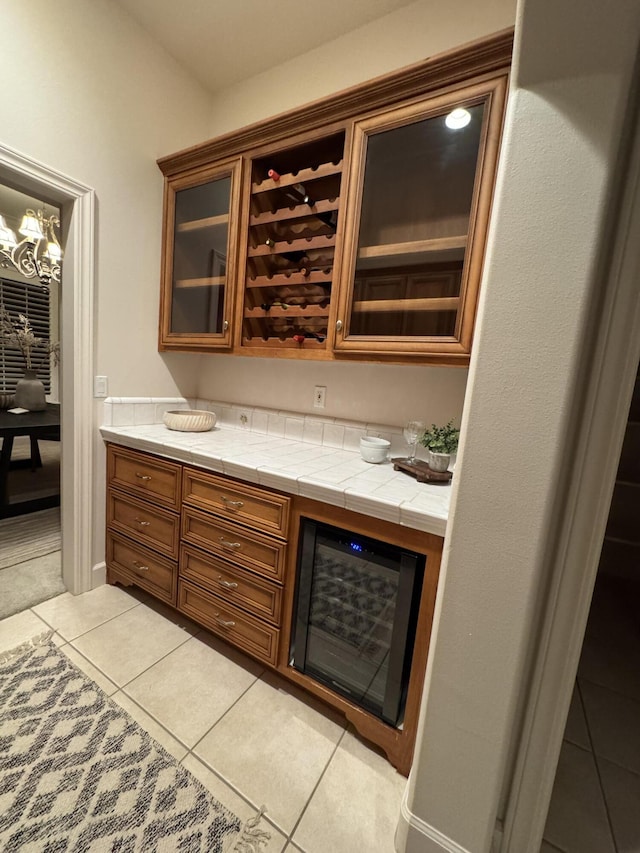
32,300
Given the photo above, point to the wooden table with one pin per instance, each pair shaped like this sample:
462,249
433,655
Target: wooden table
37,425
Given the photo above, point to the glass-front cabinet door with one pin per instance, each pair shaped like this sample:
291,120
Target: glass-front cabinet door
421,182
199,265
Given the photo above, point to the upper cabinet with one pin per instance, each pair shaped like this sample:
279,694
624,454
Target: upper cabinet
422,177
354,227
199,258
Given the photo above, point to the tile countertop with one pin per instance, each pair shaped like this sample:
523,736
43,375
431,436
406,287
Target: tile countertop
338,477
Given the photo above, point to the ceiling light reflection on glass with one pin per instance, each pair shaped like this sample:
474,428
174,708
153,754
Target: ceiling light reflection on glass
458,118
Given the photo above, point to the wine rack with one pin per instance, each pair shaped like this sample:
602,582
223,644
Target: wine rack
292,235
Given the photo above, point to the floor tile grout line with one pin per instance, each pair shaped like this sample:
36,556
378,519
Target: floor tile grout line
597,766
224,714
315,787
235,790
99,625
609,689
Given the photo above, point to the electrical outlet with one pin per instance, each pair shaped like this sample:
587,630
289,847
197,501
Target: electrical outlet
100,386
319,395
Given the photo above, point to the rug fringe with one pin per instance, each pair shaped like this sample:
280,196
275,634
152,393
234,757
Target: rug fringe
26,647
251,836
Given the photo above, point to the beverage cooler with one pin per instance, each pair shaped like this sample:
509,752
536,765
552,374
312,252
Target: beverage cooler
355,615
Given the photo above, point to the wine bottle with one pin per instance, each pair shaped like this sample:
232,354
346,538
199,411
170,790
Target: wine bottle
273,175
298,193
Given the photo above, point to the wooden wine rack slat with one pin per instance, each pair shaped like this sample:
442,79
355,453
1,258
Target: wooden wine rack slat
310,311
287,343
304,175
285,246
297,212
279,279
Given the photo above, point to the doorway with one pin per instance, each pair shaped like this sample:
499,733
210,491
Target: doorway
30,281
77,204
595,798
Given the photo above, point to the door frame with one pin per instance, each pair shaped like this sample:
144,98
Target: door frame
78,203
606,394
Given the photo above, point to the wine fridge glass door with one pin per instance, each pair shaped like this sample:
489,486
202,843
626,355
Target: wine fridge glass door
355,608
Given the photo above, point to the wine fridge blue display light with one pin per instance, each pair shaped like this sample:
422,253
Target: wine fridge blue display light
356,608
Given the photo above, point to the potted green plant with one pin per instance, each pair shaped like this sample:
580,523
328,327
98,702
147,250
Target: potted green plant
441,442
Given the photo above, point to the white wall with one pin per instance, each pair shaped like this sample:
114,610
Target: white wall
572,77
87,93
382,393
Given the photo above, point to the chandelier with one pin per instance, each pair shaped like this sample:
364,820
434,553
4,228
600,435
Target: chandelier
38,254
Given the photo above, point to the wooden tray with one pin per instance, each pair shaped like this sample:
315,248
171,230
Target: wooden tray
421,471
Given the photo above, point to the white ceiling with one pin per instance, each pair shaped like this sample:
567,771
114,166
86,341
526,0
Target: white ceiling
221,43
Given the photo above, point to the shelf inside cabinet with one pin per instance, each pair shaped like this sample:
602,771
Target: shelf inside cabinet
200,282
201,224
446,303
301,176
435,244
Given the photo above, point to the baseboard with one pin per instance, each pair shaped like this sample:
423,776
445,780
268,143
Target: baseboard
414,835
98,575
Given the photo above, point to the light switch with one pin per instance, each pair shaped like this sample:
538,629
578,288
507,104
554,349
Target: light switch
100,386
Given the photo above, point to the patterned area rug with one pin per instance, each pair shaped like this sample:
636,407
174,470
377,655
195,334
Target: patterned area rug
78,774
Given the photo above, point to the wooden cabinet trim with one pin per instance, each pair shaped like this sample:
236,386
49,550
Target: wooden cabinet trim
167,339
251,592
483,56
156,528
128,470
242,630
140,566
235,501
238,545
491,92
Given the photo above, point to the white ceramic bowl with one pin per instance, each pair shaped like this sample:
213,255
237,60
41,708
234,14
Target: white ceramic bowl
189,420
373,449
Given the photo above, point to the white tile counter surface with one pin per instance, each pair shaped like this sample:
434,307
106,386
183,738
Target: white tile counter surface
332,475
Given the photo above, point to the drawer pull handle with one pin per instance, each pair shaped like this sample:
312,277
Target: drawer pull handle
226,544
143,523
227,584
224,622
140,567
142,476
231,504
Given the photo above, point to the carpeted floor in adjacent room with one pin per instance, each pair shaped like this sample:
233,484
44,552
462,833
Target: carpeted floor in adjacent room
30,556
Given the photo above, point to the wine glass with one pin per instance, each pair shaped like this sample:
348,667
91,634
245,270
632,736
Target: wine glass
412,432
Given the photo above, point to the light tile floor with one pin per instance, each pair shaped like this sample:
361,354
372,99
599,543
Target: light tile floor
595,806
251,738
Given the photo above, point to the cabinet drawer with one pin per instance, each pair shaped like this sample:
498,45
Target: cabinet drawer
157,528
152,479
143,567
225,620
257,508
260,597
231,542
